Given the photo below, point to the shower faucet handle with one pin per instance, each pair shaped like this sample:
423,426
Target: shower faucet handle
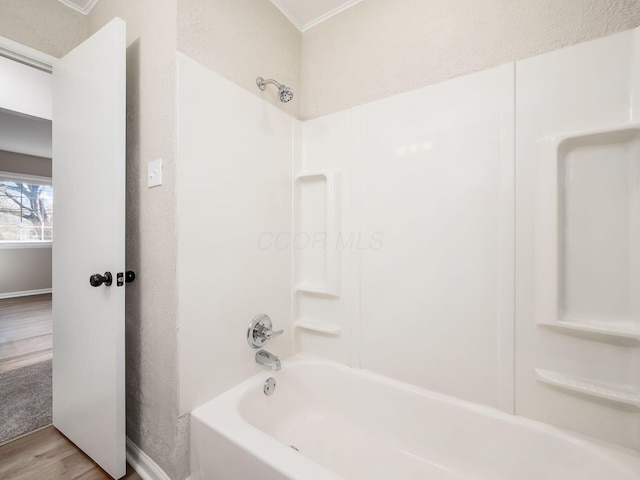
269,334
261,331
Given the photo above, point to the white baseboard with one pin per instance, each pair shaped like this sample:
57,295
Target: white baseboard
25,293
143,464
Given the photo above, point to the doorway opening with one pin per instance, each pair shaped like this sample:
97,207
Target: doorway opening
26,231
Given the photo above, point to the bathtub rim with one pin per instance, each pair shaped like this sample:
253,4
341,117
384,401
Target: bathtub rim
233,426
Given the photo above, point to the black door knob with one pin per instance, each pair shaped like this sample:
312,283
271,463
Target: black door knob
130,276
96,279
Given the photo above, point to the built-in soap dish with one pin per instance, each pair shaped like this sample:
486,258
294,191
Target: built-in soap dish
624,333
591,388
317,326
316,289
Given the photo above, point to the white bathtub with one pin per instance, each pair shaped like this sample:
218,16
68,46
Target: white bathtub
352,424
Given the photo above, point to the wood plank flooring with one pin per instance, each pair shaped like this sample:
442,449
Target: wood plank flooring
25,338
48,455
25,331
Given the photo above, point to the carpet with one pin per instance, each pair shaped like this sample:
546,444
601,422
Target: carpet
25,400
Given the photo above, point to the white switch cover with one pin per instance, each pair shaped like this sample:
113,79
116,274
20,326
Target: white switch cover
155,173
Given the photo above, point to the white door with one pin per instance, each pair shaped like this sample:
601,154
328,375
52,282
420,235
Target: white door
89,236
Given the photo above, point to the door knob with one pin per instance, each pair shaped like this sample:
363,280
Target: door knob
96,279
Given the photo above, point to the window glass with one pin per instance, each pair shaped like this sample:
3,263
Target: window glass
26,211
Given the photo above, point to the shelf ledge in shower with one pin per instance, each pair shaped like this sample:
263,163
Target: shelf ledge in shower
307,175
591,388
308,288
315,326
622,331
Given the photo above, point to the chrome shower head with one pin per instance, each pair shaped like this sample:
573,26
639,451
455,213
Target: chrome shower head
285,94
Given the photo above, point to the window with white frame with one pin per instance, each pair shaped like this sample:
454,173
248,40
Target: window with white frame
26,208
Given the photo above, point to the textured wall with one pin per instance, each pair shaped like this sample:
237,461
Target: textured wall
241,40
380,48
45,25
27,164
151,307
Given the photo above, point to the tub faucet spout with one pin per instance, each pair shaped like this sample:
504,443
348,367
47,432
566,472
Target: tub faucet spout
268,359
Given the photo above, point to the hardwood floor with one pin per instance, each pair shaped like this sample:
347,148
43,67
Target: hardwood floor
25,339
25,331
48,455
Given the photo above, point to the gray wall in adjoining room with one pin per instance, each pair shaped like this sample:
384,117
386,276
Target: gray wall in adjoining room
24,269
25,164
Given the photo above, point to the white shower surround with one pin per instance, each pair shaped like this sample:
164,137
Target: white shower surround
234,185
426,294
435,306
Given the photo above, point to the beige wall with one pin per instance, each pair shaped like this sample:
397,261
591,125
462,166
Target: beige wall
241,40
380,48
151,307
45,25
26,164
151,354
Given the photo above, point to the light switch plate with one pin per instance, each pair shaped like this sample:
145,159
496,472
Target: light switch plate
155,173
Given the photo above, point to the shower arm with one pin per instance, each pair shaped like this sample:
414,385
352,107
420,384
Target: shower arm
262,83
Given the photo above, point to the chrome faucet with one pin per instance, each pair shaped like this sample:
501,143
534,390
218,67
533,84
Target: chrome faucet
260,331
268,359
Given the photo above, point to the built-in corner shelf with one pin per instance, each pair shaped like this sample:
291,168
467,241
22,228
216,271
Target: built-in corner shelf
612,393
320,327
611,330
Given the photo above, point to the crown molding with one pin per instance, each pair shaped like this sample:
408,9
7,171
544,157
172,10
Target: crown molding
313,23
74,6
